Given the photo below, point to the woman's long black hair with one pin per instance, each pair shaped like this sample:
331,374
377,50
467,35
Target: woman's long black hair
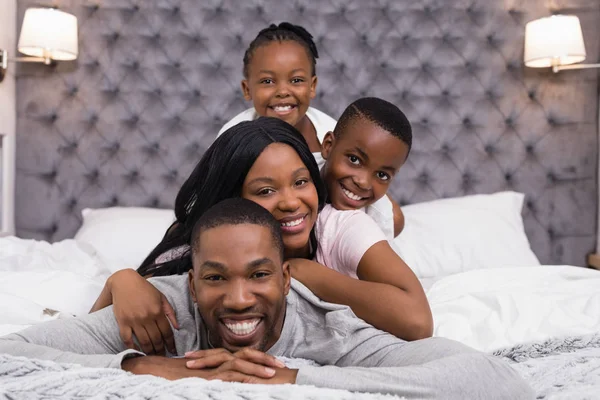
219,175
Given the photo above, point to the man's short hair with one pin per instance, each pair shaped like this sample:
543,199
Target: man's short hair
237,211
380,112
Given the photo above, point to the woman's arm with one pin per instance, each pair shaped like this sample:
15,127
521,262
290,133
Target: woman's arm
387,294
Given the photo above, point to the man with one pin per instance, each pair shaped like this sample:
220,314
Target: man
239,310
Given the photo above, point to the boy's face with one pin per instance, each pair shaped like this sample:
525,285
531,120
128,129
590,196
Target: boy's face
239,283
280,81
361,163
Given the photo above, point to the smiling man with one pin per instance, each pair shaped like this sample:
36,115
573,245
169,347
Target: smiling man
239,310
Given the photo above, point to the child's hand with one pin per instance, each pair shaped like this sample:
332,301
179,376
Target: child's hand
143,311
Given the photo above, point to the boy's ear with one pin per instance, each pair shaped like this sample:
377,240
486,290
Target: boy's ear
287,277
246,90
313,87
327,145
191,284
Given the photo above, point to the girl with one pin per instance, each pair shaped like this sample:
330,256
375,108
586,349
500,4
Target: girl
268,161
280,78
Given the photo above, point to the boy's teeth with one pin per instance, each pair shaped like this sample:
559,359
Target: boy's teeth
351,195
243,328
293,223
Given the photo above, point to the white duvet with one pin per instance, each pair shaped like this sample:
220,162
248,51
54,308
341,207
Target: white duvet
486,309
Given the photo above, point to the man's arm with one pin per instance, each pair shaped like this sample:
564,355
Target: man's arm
429,368
91,340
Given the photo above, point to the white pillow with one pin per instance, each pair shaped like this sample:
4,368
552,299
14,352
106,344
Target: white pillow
124,236
449,236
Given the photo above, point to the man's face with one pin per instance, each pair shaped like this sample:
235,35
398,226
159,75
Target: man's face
239,283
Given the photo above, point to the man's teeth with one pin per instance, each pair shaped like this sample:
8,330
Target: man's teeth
293,223
243,328
282,108
351,195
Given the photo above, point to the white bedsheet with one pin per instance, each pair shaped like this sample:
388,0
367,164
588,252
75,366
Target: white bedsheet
486,309
493,308
38,278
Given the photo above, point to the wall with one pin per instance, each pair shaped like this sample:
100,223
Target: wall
155,80
8,115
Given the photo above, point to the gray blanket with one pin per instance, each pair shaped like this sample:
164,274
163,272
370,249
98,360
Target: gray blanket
566,368
559,368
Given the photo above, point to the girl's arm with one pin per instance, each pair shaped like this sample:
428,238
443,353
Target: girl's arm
140,310
387,294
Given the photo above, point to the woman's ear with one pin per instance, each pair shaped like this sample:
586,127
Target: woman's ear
287,276
246,90
191,284
327,145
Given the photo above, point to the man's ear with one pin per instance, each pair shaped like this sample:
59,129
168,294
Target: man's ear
327,145
287,276
191,284
313,87
246,90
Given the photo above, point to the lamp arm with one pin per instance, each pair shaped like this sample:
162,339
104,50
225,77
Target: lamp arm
557,68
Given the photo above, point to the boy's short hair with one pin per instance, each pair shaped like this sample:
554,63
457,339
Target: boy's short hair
380,112
237,211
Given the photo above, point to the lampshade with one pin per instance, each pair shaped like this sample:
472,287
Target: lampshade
555,40
47,32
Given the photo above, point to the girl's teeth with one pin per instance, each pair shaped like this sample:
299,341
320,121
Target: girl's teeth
351,195
282,108
292,223
243,328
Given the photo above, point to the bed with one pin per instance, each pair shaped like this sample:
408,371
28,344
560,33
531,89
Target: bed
485,286
500,190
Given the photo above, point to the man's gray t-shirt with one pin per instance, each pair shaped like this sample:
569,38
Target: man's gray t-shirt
329,334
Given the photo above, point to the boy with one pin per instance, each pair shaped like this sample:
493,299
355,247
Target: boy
369,144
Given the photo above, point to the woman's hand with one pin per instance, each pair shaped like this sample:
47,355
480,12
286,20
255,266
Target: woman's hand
143,311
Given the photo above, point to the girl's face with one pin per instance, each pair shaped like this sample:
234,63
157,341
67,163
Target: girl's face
280,182
280,81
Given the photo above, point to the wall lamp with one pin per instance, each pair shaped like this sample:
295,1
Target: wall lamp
556,42
47,35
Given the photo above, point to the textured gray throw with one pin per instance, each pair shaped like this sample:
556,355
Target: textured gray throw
558,368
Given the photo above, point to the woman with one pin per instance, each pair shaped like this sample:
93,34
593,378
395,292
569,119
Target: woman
268,161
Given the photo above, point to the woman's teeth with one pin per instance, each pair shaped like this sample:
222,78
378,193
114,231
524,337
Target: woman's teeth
293,223
243,328
351,195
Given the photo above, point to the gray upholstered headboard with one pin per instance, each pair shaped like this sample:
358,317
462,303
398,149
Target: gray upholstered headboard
155,80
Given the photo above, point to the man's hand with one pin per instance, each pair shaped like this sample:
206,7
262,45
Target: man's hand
248,361
229,371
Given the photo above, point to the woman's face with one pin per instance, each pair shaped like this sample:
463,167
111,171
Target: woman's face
280,182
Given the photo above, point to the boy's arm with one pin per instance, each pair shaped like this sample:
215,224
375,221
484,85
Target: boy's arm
398,217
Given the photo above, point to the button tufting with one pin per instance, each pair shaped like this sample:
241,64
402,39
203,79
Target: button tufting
446,148
551,121
114,200
509,121
508,177
489,149
424,121
529,148
551,177
467,121
423,178
175,10
92,176
531,94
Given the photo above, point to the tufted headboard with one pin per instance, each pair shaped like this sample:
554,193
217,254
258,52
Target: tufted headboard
155,80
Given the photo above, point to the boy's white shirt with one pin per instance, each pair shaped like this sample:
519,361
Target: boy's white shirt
381,211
